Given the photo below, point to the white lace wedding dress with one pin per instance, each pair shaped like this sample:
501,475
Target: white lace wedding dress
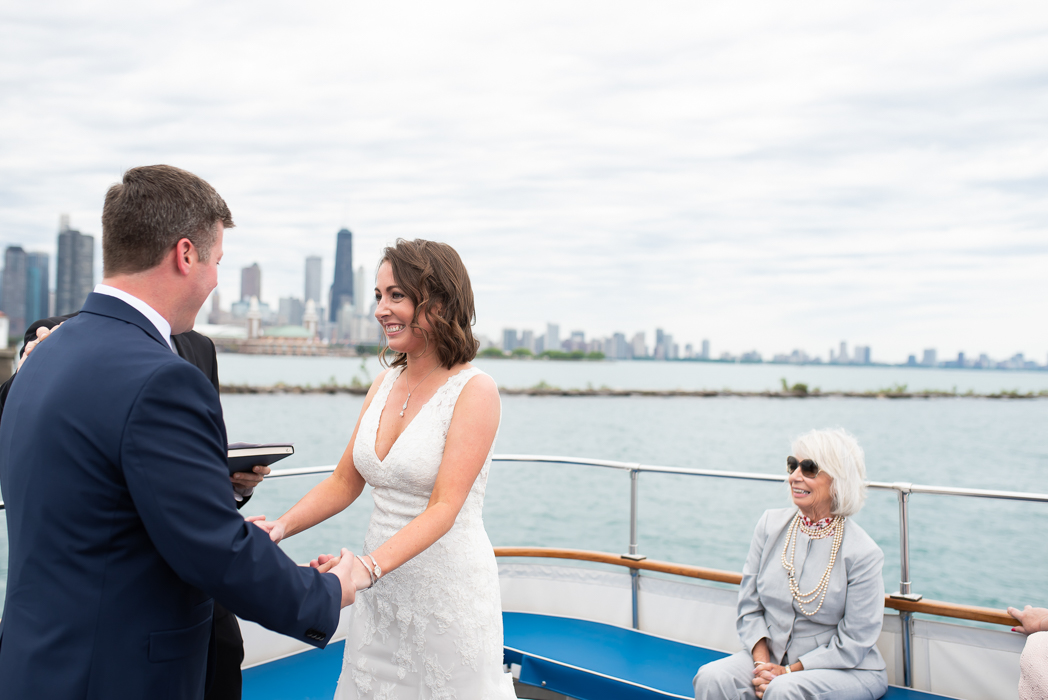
431,629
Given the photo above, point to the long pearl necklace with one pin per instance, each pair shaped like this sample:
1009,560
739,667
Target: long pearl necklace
836,528
405,406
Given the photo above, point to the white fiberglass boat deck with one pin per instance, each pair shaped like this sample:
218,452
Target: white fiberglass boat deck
636,628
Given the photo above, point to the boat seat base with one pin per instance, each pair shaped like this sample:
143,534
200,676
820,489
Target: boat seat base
594,661
577,658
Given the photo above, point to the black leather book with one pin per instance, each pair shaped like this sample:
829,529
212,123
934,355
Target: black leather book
242,456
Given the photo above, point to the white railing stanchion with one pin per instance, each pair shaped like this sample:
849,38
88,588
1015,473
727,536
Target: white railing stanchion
905,592
634,554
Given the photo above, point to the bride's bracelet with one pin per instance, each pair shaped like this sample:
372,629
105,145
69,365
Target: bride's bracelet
368,569
376,573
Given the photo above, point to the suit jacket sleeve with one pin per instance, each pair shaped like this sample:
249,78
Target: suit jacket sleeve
173,456
750,623
858,630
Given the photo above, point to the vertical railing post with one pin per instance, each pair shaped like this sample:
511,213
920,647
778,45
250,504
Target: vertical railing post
634,473
905,592
633,554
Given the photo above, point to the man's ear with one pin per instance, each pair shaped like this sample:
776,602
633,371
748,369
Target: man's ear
185,255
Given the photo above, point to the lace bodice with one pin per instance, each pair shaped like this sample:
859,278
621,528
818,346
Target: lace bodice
433,627
408,472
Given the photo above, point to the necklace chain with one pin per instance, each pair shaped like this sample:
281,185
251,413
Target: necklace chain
405,406
789,551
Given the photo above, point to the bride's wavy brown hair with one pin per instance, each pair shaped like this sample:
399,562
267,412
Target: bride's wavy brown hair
433,277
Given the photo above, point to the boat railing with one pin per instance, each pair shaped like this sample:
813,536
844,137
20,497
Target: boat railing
905,601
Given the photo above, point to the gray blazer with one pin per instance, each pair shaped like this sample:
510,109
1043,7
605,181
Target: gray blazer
844,632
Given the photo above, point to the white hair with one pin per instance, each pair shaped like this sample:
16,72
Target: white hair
838,454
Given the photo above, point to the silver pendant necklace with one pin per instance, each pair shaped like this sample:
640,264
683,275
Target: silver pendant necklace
405,406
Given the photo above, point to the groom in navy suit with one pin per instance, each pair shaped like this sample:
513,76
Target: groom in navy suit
121,523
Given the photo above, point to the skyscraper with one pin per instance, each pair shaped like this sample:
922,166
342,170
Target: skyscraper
552,336
250,282
342,287
363,297
14,289
37,290
75,270
314,269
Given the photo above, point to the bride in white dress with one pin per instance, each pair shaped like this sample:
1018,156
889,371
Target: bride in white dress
429,625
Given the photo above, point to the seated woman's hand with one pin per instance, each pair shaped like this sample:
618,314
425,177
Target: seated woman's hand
763,674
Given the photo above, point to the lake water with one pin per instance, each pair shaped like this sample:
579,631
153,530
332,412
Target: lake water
962,550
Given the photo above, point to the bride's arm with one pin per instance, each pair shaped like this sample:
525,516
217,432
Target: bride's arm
332,495
472,430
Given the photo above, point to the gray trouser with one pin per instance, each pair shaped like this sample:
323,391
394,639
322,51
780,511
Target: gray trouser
731,679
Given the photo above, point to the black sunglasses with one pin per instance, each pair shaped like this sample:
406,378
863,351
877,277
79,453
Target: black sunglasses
808,466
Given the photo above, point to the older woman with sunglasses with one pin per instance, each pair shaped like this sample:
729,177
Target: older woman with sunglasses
812,597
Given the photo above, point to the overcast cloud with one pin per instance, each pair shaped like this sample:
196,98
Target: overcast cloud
765,175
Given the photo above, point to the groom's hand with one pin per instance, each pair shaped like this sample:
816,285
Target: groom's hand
344,571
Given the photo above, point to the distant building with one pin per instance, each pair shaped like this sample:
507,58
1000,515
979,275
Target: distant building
659,351
314,269
527,340
911,361
290,312
705,354
552,340
751,356
862,354
217,316
14,288
364,294
342,286
576,342
38,286
509,339
639,348
250,282
929,359
618,348
75,273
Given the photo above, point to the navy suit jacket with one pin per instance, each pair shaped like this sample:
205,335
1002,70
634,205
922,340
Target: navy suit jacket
122,525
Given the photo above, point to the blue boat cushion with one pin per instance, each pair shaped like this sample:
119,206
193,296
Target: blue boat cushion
593,661
581,659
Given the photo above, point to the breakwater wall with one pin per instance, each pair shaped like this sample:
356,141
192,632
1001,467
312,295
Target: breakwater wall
361,390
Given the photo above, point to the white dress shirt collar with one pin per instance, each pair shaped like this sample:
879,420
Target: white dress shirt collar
138,305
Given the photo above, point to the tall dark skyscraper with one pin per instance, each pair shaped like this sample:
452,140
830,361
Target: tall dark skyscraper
342,287
75,270
37,286
14,289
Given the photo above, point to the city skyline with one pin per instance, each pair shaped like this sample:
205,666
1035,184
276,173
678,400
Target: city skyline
617,345
765,176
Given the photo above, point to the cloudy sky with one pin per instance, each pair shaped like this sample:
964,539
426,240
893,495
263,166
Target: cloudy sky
765,175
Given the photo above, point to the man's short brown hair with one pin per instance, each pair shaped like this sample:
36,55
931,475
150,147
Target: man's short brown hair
154,208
